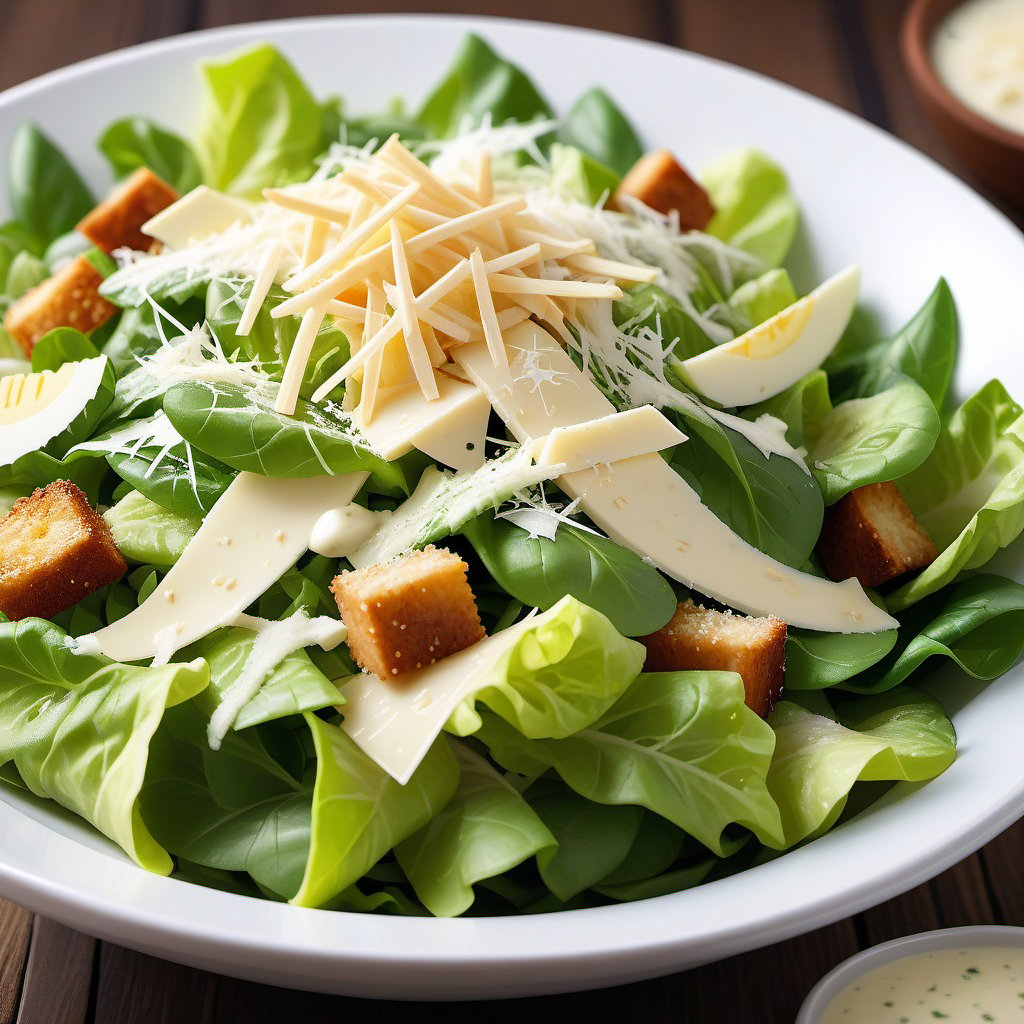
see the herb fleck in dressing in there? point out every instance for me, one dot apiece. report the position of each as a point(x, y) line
point(984, 984)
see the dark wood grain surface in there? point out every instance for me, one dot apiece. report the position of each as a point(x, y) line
point(842, 50)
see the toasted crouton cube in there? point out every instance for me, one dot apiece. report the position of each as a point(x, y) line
point(658, 181)
point(54, 550)
point(71, 298)
point(117, 221)
point(409, 612)
point(702, 638)
point(872, 535)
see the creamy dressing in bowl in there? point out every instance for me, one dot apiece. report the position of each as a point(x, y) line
point(978, 53)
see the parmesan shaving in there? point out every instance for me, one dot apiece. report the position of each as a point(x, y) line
point(260, 289)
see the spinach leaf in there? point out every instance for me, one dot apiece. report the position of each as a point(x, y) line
point(924, 349)
point(977, 623)
point(802, 407)
point(25, 272)
point(681, 744)
point(46, 193)
point(769, 501)
point(872, 440)
point(649, 305)
point(575, 175)
point(609, 578)
point(135, 142)
point(77, 727)
point(815, 661)
point(259, 124)
point(480, 83)
point(270, 339)
point(597, 126)
point(240, 808)
point(486, 829)
point(224, 421)
point(59, 346)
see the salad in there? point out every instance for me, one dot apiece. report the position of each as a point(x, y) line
point(460, 511)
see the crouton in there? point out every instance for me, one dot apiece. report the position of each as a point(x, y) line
point(117, 221)
point(71, 298)
point(872, 535)
point(409, 612)
point(54, 550)
point(701, 638)
point(658, 181)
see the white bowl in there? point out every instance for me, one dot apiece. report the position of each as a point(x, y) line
point(869, 200)
point(971, 937)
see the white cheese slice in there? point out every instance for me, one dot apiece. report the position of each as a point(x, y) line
point(203, 211)
point(36, 407)
point(622, 435)
point(451, 428)
point(256, 531)
point(396, 724)
point(776, 354)
point(643, 504)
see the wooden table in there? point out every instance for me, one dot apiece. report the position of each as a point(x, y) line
point(842, 50)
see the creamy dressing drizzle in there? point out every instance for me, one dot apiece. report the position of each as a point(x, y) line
point(978, 52)
point(984, 984)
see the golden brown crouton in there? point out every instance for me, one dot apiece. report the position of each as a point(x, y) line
point(71, 298)
point(117, 221)
point(54, 550)
point(409, 612)
point(872, 534)
point(658, 181)
point(701, 638)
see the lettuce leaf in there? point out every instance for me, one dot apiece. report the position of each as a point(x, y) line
point(360, 812)
point(681, 744)
point(77, 727)
point(485, 830)
point(969, 493)
point(760, 299)
point(259, 124)
point(896, 736)
point(562, 674)
point(134, 142)
point(755, 210)
point(148, 533)
point(576, 175)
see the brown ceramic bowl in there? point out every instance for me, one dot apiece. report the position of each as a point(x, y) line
point(993, 154)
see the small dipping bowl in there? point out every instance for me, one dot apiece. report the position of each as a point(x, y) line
point(973, 937)
point(991, 153)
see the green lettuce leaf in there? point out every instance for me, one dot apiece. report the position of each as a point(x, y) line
point(485, 830)
point(575, 175)
point(760, 299)
point(872, 440)
point(681, 744)
point(969, 493)
point(755, 209)
point(134, 142)
point(77, 727)
point(613, 580)
point(563, 673)
point(896, 736)
point(259, 124)
point(360, 812)
point(480, 83)
point(149, 533)
point(597, 126)
point(924, 349)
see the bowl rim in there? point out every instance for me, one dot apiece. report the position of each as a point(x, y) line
point(856, 966)
point(916, 33)
point(92, 908)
